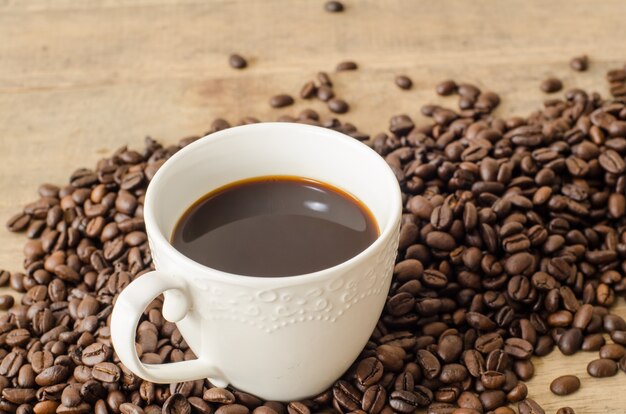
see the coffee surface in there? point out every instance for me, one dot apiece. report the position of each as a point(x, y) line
point(274, 226)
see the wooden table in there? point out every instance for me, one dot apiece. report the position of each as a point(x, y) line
point(81, 78)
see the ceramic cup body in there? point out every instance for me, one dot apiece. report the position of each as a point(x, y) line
point(283, 338)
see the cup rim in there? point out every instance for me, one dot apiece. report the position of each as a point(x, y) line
point(156, 236)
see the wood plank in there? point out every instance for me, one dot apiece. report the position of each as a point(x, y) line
point(79, 79)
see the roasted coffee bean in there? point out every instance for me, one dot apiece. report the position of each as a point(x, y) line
point(565, 410)
point(612, 162)
point(95, 354)
point(46, 407)
point(429, 363)
point(41, 360)
point(347, 395)
point(237, 61)
point(492, 399)
point(490, 342)
point(593, 342)
point(400, 304)
point(324, 79)
point(403, 82)
point(450, 347)
point(551, 85)
point(325, 93)
point(475, 362)
point(374, 399)
point(408, 401)
point(440, 241)
point(70, 397)
point(338, 106)
point(524, 370)
point(346, 65)
point(198, 406)
point(445, 88)
point(369, 371)
point(259, 410)
point(619, 337)
point(602, 368)
point(92, 390)
point(613, 323)
point(333, 6)
point(570, 341)
point(612, 351)
point(465, 411)
point(280, 101)
point(128, 408)
point(479, 321)
point(518, 348)
point(401, 124)
point(583, 317)
point(52, 375)
point(565, 385)
point(579, 63)
point(296, 407)
point(529, 406)
point(6, 302)
point(517, 393)
point(453, 373)
point(178, 404)
point(19, 395)
point(308, 90)
point(391, 357)
point(219, 395)
point(492, 380)
point(106, 372)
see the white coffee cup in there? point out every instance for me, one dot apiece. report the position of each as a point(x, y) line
point(280, 338)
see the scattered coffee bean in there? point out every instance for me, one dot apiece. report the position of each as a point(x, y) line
point(324, 79)
point(551, 85)
point(612, 351)
point(579, 63)
point(403, 82)
point(346, 65)
point(565, 385)
point(280, 101)
point(529, 406)
point(338, 106)
point(565, 410)
point(445, 88)
point(237, 61)
point(308, 90)
point(333, 6)
point(325, 93)
point(602, 367)
point(6, 302)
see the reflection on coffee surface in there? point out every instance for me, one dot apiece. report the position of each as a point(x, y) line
point(275, 226)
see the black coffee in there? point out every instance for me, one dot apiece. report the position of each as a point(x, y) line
point(274, 226)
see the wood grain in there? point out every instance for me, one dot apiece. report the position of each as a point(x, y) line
point(81, 78)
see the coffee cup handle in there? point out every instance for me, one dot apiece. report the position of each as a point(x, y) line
point(127, 311)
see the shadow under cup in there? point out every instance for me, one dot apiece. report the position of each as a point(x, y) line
point(280, 338)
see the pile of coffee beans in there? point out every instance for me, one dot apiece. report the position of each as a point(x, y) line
point(512, 244)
